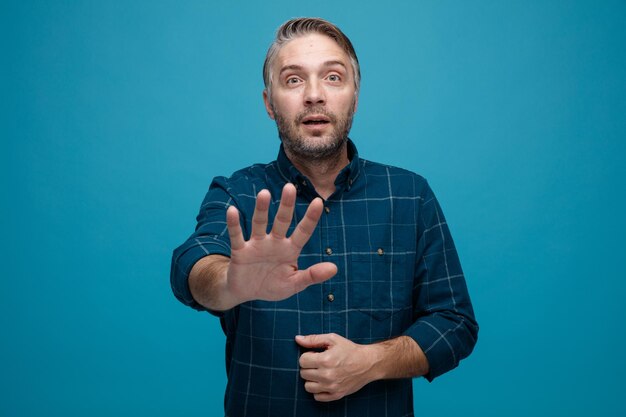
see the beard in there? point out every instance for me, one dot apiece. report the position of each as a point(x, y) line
point(321, 147)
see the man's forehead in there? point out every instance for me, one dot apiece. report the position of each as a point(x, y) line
point(318, 46)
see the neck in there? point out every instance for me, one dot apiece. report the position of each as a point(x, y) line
point(322, 172)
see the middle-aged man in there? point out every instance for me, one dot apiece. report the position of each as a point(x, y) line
point(335, 278)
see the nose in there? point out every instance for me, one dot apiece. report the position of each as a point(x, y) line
point(314, 94)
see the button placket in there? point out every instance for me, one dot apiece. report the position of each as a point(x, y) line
point(332, 294)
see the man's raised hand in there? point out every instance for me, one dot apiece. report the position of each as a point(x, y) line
point(266, 266)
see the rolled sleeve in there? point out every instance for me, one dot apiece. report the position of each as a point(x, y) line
point(210, 238)
point(444, 324)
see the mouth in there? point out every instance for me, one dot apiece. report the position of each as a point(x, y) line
point(316, 120)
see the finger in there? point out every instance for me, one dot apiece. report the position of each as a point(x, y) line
point(308, 360)
point(318, 375)
point(315, 341)
point(312, 375)
point(314, 275)
point(307, 225)
point(326, 397)
point(321, 272)
point(285, 211)
point(314, 387)
point(259, 218)
point(234, 228)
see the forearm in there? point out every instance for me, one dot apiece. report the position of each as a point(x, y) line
point(208, 285)
point(400, 357)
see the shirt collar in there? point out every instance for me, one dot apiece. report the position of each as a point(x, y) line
point(346, 176)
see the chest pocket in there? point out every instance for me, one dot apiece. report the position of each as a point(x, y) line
point(378, 282)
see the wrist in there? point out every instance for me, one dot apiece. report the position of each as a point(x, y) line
point(374, 357)
point(230, 295)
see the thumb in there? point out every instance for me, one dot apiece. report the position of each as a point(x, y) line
point(317, 273)
point(315, 340)
point(314, 275)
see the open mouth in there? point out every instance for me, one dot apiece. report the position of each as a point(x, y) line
point(315, 120)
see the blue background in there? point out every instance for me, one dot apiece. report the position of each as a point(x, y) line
point(116, 115)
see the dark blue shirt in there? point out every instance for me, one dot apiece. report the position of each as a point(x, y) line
point(398, 274)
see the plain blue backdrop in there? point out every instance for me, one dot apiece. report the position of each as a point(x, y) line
point(116, 115)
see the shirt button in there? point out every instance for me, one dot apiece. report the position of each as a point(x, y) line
point(380, 251)
point(327, 209)
point(329, 251)
point(330, 297)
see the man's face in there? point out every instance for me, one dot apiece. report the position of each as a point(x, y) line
point(313, 96)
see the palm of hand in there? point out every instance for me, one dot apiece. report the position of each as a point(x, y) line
point(266, 266)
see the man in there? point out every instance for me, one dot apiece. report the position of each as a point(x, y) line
point(335, 278)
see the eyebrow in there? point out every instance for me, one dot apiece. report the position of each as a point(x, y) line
point(299, 67)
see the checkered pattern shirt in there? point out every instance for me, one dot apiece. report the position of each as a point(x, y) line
point(398, 274)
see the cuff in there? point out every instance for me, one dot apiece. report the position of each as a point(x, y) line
point(183, 259)
point(432, 335)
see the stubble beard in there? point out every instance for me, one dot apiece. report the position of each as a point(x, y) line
point(329, 145)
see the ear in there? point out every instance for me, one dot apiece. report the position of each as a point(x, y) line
point(356, 101)
point(268, 105)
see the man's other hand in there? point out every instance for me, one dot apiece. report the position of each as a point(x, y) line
point(340, 369)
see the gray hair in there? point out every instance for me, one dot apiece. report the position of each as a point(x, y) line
point(301, 26)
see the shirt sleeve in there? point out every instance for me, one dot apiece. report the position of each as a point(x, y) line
point(210, 237)
point(444, 323)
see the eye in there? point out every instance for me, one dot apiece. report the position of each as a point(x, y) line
point(334, 78)
point(292, 80)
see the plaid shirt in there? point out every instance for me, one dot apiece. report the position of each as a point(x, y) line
point(398, 274)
